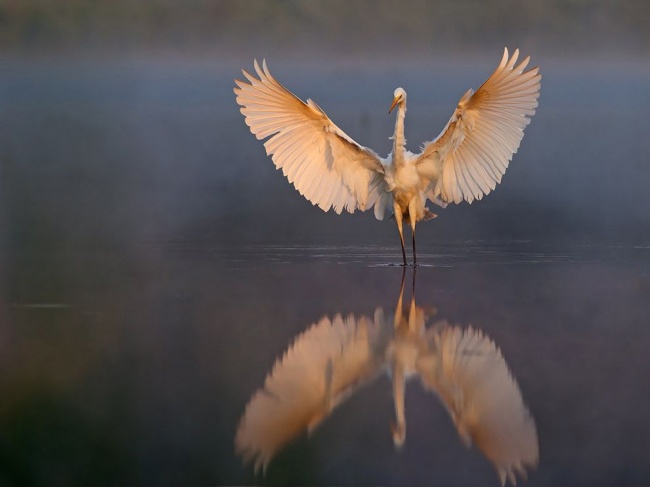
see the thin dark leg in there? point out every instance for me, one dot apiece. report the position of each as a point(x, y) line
point(415, 260)
point(401, 240)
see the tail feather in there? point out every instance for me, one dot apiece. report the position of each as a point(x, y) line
point(428, 215)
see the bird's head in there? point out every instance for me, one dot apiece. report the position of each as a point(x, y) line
point(399, 96)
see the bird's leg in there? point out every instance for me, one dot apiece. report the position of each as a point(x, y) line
point(398, 220)
point(413, 212)
point(415, 260)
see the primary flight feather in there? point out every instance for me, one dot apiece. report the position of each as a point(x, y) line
point(465, 162)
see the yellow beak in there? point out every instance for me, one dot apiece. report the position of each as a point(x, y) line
point(395, 101)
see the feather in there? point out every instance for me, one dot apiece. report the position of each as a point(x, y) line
point(301, 137)
point(463, 163)
point(500, 109)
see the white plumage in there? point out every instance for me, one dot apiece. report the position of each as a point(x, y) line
point(465, 162)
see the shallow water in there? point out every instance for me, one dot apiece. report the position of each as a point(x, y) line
point(152, 274)
point(141, 370)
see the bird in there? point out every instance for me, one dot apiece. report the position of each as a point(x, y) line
point(463, 163)
point(336, 357)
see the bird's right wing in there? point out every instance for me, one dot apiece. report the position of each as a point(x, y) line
point(324, 164)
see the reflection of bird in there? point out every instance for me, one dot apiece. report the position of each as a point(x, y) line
point(331, 170)
point(320, 370)
point(470, 376)
point(333, 358)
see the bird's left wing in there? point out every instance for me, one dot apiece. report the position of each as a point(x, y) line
point(469, 157)
point(323, 163)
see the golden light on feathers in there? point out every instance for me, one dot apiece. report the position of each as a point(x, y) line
point(464, 163)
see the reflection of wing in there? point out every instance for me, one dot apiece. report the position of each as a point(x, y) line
point(471, 377)
point(322, 368)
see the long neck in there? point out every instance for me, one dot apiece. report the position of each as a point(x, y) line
point(398, 137)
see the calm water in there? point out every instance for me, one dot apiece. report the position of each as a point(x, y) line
point(154, 268)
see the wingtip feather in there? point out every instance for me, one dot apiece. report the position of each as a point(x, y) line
point(513, 60)
point(504, 59)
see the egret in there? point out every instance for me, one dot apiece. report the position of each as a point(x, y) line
point(331, 170)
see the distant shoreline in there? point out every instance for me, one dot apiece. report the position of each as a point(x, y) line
point(331, 29)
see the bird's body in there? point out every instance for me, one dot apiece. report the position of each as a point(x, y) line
point(331, 170)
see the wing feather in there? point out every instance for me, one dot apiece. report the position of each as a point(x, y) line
point(471, 154)
point(322, 162)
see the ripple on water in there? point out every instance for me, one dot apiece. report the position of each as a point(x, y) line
point(441, 255)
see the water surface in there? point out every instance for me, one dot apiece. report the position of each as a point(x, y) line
point(154, 267)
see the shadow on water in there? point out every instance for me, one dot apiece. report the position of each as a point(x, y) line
point(335, 358)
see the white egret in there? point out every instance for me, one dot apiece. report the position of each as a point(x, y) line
point(330, 169)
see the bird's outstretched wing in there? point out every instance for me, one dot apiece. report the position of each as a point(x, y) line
point(322, 368)
point(469, 374)
point(473, 151)
point(325, 165)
